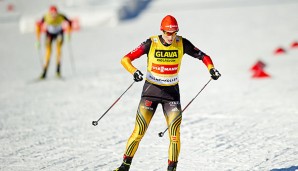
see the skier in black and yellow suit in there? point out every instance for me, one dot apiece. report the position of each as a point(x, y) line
point(164, 55)
point(54, 31)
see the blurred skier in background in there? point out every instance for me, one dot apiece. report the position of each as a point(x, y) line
point(53, 22)
point(164, 55)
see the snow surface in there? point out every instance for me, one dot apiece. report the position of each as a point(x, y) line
point(236, 124)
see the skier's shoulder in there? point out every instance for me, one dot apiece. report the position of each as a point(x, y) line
point(62, 15)
point(185, 40)
point(154, 38)
point(147, 42)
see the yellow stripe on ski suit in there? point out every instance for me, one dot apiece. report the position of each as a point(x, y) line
point(143, 119)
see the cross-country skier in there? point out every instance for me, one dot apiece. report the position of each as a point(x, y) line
point(53, 21)
point(164, 55)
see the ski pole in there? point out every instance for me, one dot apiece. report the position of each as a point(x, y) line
point(96, 122)
point(40, 56)
point(162, 133)
point(71, 57)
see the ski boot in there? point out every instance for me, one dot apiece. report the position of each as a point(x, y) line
point(172, 165)
point(43, 75)
point(125, 165)
point(58, 73)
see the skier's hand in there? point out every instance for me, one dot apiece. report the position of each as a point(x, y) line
point(37, 44)
point(138, 76)
point(214, 73)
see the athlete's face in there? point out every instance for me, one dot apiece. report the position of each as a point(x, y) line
point(169, 37)
point(54, 14)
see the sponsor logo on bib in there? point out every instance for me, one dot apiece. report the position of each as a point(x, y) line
point(166, 54)
point(164, 69)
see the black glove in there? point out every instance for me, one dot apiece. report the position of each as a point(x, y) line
point(138, 76)
point(214, 74)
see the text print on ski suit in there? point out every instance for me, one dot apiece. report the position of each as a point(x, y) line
point(164, 69)
point(166, 54)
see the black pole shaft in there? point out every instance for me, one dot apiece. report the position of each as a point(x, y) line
point(96, 122)
point(71, 57)
point(162, 133)
point(40, 57)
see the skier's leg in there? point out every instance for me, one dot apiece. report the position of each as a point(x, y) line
point(146, 109)
point(48, 52)
point(145, 113)
point(59, 47)
point(173, 114)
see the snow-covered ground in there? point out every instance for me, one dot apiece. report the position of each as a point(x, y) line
point(237, 123)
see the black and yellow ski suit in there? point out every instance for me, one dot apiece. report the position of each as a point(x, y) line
point(161, 87)
point(54, 31)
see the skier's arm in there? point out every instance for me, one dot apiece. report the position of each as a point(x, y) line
point(38, 27)
point(69, 23)
point(142, 49)
point(193, 51)
point(69, 28)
